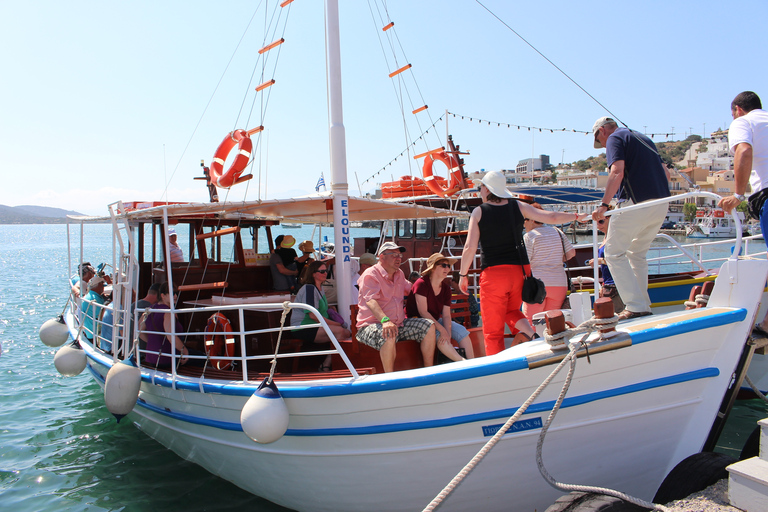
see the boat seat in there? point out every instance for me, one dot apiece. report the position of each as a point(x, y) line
point(408, 351)
point(460, 314)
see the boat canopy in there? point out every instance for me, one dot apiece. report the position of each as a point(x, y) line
point(560, 194)
point(317, 208)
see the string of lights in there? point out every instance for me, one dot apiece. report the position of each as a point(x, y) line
point(403, 152)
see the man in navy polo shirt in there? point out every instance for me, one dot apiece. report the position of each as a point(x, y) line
point(637, 174)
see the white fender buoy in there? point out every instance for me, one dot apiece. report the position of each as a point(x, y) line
point(54, 332)
point(121, 389)
point(70, 360)
point(264, 417)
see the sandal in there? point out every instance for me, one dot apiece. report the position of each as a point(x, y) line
point(325, 368)
point(629, 315)
point(759, 332)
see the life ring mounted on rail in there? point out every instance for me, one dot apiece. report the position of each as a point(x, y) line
point(219, 342)
point(244, 146)
point(454, 168)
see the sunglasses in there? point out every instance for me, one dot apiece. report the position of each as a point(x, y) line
point(601, 221)
point(321, 271)
point(444, 265)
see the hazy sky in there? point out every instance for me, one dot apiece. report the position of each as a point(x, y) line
point(100, 101)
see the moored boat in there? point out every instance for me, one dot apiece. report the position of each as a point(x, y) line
point(354, 438)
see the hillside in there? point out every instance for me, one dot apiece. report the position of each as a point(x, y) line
point(29, 214)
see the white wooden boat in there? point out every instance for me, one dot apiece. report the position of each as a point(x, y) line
point(355, 439)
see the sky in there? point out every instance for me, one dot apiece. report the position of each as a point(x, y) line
point(108, 101)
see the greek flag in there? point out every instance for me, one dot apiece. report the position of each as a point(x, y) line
point(320, 183)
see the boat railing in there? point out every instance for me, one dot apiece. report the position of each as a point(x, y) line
point(665, 200)
point(242, 335)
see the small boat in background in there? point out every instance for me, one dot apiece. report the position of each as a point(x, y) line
point(713, 223)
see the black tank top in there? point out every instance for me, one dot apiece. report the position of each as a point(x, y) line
point(501, 235)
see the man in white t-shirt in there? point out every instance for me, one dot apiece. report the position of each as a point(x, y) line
point(748, 140)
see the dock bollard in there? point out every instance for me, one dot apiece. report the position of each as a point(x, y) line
point(555, 321)
point(604, 309)
point(696, 290)
point(706, 289)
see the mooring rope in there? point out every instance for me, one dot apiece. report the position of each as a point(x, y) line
point(757, 391)
point(286, 310)
point(584, 328)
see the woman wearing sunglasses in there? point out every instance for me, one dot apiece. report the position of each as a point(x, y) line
point(312, 279)
point(430, 298)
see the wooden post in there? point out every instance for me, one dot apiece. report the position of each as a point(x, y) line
point(604, 309)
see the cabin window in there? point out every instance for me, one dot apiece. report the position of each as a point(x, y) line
point(184, 239)
point(405, 229)
point(423, 228)
point(461, 224)
point(220, 249)
point(440, 226)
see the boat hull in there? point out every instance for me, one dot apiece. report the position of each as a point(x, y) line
point(392, 442)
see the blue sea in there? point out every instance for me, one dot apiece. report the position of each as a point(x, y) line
point(59, 447)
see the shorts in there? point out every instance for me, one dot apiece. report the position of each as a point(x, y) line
point(412, 329)
point(307, 336)
point(458, 331)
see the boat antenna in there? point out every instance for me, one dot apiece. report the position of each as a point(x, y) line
point(548, 60)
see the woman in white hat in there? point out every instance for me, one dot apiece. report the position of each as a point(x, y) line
point(497, 225)
point(430, 298)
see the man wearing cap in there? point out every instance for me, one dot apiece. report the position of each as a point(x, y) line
point(177, 255)
point(637, 174)
point(381, 321)
point(748, 141)
point(284, 273)
point(497, 225)
point(89, 310)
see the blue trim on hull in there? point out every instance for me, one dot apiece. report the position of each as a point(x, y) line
point(543, 407)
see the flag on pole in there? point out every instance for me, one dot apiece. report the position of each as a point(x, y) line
point(320, 183)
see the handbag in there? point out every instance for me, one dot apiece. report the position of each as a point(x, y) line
point(534, 291)
point(755, 203)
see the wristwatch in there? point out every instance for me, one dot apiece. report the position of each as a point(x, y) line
point(740, 197)
point(385, 320)
point(605, 205)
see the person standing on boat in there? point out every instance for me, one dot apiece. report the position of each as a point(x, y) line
point(608, 289)
point(748, 141)
point(497, 225)
point(637, 174)
point(430, 298)
point(547, 249)
point(381, 320)
point(177, 255)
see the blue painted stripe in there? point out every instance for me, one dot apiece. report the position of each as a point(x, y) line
point(690, 325)
point(488, 369)
point(457, 420)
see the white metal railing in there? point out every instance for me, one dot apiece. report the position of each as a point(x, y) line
point(125, 351)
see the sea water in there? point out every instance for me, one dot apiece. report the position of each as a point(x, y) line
point(59, 447)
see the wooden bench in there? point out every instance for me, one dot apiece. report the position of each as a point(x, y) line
point(408, 351)
point(460, 314)
point(258, 376)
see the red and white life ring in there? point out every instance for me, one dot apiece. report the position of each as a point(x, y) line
point(452, 163)
point(244, 146)
point(218, 341)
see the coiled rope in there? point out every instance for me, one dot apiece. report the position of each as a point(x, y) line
point(699, 301)
point(584, 328)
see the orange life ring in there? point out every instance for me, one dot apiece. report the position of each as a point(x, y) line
point(244, 146)
point(450, 161)
point(218, 341)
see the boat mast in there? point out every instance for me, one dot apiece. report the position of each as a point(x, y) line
point(338, 151)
